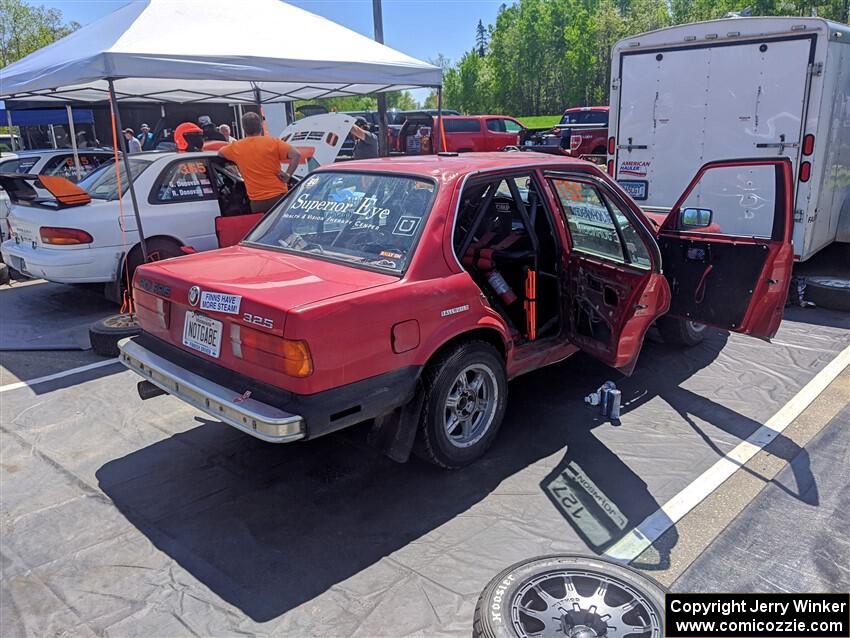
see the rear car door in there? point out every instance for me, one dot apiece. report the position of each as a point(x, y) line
point(613, 288)
point(726, 245)
point(184, 203)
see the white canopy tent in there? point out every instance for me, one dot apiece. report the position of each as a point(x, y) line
point(212, 51)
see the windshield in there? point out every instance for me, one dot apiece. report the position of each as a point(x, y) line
point(360, 218)
point(102, 184)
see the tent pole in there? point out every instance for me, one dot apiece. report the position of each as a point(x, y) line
point(441, 144)
point(378, 21)
point(73, 133)
point(258, 100)
point(11, 132)
point(118, 138)
point(52, 136)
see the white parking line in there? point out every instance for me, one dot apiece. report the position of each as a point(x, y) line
point(57, 375)
point(653, 526)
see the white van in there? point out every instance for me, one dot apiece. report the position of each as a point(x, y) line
point(737, 88)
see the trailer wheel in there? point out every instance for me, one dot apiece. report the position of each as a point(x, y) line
point(829, 292)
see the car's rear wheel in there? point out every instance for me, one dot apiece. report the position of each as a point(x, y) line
point(566, 595)
point(681, 332)
point(465, 396)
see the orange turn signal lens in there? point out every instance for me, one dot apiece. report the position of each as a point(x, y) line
point(297, 360)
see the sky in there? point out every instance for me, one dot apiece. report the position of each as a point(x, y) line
point(420, 28)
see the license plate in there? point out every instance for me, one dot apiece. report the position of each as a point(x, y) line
point(218, 302)
point(636, 188)
point(202, 333)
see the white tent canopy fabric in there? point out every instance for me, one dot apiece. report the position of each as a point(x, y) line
point(213, 51)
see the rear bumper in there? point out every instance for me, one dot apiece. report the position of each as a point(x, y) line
point(84, 265)
point(258, 419)
point(317, 414)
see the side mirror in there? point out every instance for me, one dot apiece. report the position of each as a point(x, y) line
point(696, 217)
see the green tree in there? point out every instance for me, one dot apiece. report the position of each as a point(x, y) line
point(26, 28)
point(481, 39)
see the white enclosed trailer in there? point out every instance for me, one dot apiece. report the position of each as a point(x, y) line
point(737, 88)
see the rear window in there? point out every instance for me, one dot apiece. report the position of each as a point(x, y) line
point(21, 165)
point(102, 183)
point(462, 126)
point(585, 117)
point(356, 218)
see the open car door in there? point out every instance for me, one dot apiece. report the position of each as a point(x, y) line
point(726, 246)
point(613, 286)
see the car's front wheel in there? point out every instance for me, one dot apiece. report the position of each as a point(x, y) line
point(465, 396)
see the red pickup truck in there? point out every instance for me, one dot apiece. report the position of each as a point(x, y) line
point(582, 131)
point(464, 133)
point(408, 291)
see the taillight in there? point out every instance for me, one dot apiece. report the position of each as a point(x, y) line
point(289, 356)
point(808, 144)
point(611, 144)
point(805, 171)
point(611, 168)
point(575, 142)
point(163, 312)
point(64, 236)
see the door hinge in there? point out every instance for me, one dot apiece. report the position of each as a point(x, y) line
point(816, 69)
point(799, 215)
point(615, 84)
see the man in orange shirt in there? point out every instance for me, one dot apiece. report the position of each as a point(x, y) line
point(259, 158)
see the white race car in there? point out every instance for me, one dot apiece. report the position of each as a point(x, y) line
point(185, 199)
point(70, 239)
point(47, 162)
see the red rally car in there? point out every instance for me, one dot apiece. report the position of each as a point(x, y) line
point(408, 291)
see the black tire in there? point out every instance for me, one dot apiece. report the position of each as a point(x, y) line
point(4, 274)
point(435, 442)
point(159, 248)
point(498, 615)
point(681, 332)
point(828, 292)
point(105, 334)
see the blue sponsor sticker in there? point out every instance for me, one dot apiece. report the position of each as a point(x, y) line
point(636, 188)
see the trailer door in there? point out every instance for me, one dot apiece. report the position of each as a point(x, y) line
point(683, 107)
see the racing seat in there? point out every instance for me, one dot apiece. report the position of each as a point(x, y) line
point(498, 241)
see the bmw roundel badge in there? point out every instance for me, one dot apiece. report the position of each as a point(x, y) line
point(194, 295)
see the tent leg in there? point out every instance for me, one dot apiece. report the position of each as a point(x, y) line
point(378, 22)
point(116, 136)
point(258, 100)
point(11, 132)
point(73, 133)
point(52, 136)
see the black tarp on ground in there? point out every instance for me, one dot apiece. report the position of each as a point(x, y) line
point(127, 518)
point(780, 543)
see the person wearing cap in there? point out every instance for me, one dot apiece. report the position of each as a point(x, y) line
point(259, 158)
point(133, 145)
point(211, 133)
point(146, 138)
point(188, 137)
point(365, 142)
